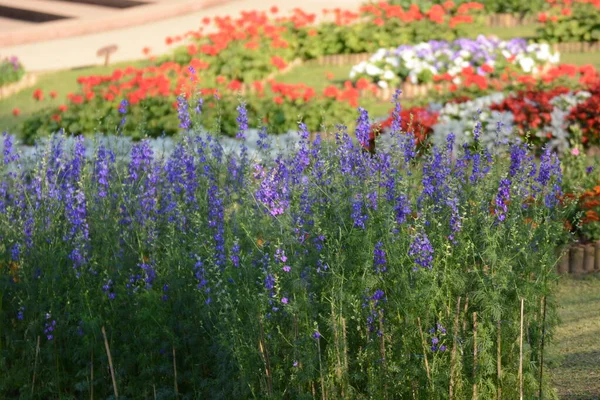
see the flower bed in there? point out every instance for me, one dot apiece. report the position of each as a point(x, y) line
point(547, 113)
point(152, 95)
point(328, 272)
point(444, 61)
point(269, 43)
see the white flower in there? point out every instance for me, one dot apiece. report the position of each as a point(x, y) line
point(373, 70)
point(526, 64)
point(382, 84)
point(389, 75)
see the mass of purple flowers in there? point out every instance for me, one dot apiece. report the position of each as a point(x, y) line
point(265, 275)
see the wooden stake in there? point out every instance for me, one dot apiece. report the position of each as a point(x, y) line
point(499, 359)
point(92, 377)
point(37, 353)
point(521, 354)
point(110, 364)
point(475, 356)
point(424, 350)
point(454, 349)
point(175, 372)
point(265, 355)
point(466, 309)
point(542, 350)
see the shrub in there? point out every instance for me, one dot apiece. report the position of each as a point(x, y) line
point(11, 70)
point(576, 22)
point(328, 271)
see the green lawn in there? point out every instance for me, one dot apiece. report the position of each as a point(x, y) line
point(574, 355)
point(524, 31)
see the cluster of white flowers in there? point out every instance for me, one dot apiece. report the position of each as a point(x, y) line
point(419, 63)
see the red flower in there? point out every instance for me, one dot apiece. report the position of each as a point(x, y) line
point(56, 117)
point(221, 79)
point(63, 108)
point(378, 21)
point(168, 40)
point(329, 76)
point(330, 91)
point(278, 100)
point(235, 85)
point(192, 49)
point(448, 5)
point(542, 17)
point(274, 10)
point(146, 50)
point(566, 12)
point(38, 95)
point(488, 69)
point(362, 83)
point(206, 20)
point(16, 112)
point(278, 62)
point(53, 94)
point(312, 32)
point(251, 45)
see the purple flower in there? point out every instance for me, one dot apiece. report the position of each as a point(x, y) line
point(379, 258)
point(182, 113)
point(363, 126)
point(199, 104)
point(316, 335)
point(123, 106)
point(421, 250)
point(242, 120)
point(286, 268)
point(502, 199)
point(284, 300)
point(589, 169)
point(20, 313)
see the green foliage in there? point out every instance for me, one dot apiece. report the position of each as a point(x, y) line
point(491, 6)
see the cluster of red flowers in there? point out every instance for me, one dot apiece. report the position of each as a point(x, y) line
point(530, 108)
point(589, 201)
point(586, 75)
point(436, 13)
point(418, 120)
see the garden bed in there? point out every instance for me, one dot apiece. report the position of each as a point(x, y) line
point(27, 81)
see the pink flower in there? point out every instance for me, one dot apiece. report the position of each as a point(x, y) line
point(575, 151)
point(284, 300)
point(286, 268)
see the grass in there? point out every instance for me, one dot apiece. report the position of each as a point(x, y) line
point(523, 31)
point(574, 356)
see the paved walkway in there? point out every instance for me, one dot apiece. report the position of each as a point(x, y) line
point(81, 50)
